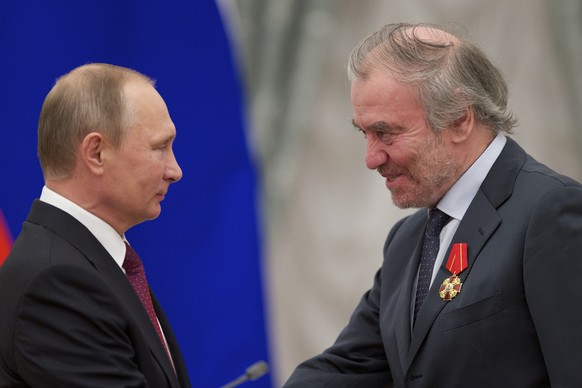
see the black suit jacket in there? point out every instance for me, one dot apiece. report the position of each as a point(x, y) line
point(69, 316)
point(517, 321)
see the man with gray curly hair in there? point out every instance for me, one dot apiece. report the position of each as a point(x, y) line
point(481, 286)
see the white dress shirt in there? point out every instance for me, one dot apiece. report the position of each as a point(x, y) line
point(107, 236)
point(457, 200)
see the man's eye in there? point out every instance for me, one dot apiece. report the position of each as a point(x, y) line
point(385, 137)
point(363, 132)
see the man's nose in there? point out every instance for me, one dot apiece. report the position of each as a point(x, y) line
point(173, 170)
point(376, 156)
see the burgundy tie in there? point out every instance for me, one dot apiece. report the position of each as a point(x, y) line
point(136, 276)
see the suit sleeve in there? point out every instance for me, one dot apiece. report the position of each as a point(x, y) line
point(357, 358)
point(553, 282)
point(70, 332)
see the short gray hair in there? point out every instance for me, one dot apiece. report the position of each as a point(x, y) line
point(88, 99)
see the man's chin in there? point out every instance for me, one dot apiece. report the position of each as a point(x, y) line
point(410, 201)
point(154, 213)
point(401, 202)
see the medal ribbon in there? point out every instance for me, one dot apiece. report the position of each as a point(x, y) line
point(457, 261)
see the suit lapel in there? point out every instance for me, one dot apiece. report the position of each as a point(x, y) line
point(80, 237)
point(403, 306)
point(478, 225)
point(179, 365)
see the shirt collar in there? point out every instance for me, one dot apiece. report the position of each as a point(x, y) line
point(457, 200)
point(103, 232)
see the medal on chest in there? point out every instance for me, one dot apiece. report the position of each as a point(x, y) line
point(456, 264)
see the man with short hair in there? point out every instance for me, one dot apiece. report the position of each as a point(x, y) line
point(75, 306)
point(480, 287)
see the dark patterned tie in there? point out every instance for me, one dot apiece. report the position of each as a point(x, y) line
point(136, 276)
point(436, 221)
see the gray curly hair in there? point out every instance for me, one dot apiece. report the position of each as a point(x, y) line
point(446, 77)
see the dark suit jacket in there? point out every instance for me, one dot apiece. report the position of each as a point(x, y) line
point(70, 318)
point(518, 319)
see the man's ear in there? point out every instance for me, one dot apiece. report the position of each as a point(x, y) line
point(463, 126)
point(92, 152)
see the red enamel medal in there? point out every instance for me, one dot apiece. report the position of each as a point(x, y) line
point(456, 264)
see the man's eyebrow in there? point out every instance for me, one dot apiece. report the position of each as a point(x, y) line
point(380, 126)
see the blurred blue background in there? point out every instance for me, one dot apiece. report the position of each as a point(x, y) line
point(202, 255)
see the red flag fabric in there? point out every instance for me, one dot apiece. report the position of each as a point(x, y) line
point(5, 239)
